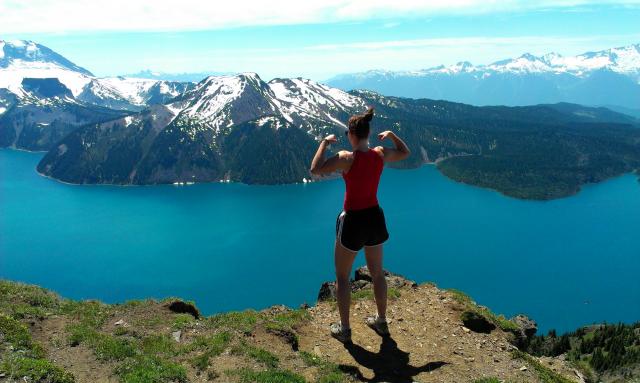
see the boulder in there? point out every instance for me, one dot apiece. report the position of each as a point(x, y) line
point(327, 292)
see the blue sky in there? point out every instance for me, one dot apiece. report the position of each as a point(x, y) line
point(314, 39)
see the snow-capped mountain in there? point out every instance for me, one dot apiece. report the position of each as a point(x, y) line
point(243, 129)
point(22, 59)
point(45, 112)
point(130, 93)
point(222, 128)
point(608, 77)
point(223, 101)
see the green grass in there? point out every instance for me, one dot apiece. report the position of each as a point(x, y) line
point(211, 346)
point(545, 374)
point(26, 357)
point(243, 321)
point(246, 375)
point(159, 345)
point(287, 320)
point(90, 313)
point(15, 333)
point(327, 372)
point(367, 294)
point(258, 354)
point(263, 356)
point(36, 370)
point(20, 300)
point(150, 369)
point(105, 347)
point(460, 296)
point(182, 321)
point(216, 342)
point(487, 380)
point(499, 320)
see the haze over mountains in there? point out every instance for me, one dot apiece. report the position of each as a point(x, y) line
point(610, 77)
point(123, 130)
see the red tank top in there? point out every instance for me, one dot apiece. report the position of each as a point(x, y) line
point(362, 180)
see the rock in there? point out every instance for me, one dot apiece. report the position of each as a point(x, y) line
point(363, 281)
point(476, 322)
point(527, 328)
point(176, 335)
point(357, 285)
point(523, 368)
point(182, 307)
point(465, 329)
point(393, 280)
point(119, 323)
point(276, 309)
point(327, 292)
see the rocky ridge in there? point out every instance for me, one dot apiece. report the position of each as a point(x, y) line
point(170, 340)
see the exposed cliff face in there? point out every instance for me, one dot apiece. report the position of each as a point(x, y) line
point(171, 341)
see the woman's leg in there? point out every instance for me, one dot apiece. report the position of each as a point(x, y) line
point(343, 260)
point(374, 263)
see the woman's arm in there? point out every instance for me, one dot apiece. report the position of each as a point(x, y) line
point(321, 166)
point(399, 153)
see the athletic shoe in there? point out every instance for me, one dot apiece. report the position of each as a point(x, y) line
point(378, 325)
point(340, 333)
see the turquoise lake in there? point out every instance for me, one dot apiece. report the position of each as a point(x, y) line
point(565, 263)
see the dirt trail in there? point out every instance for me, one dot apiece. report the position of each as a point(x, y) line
point(428, 343)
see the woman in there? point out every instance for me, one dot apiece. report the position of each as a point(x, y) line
point(361, 223)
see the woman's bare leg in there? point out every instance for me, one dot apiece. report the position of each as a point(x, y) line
point(343, 260)
point(374, 263)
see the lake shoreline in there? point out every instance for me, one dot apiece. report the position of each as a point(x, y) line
point(313, 179)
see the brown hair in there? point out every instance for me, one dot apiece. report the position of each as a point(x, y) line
point(359, 124)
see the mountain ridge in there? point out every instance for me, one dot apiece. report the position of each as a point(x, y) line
point(242, 128)
point(608, 77)
point(170, 340)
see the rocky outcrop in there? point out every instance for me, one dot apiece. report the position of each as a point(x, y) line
point(363, 281)
point(526, 330)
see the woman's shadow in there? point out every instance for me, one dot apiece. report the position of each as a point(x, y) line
point(390, 364)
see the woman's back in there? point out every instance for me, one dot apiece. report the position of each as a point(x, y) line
point(362, 180)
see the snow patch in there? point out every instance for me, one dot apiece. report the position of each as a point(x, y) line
point(12, 76)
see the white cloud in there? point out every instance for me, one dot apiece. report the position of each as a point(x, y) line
point(56, 16)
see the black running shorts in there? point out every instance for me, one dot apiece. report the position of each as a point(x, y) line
point(358, 228)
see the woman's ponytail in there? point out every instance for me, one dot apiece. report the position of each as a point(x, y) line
point(359, 124)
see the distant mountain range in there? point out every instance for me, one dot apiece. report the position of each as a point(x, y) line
point(610, 77)
point(241, 128)
point(21, 60)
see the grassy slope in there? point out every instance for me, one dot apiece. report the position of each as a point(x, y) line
point(134, 341)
